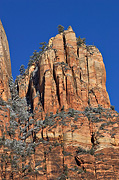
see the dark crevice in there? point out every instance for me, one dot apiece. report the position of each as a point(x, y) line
point(17, 88)
point(88, 79)
point(96, 99)
point(42, 133)
point(41, 90)
point(11, 176)
point(87, 68)
point(43, 93)
point(64, 41)
point(47, 138)
point(29, 97)
point(92, 139)
point(80, 76)
point(77, 162)
point(36, 79)
point(78, 51)
point(57, 85)
point(34, 137)
point(95, 172)
point(91, 91)
point(66, 91)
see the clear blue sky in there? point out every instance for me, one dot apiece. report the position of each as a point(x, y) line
point(29, 22)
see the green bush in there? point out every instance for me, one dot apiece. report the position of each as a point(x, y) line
point(60, 29)
point(112, 107)
point(22, 70)
point(81, 41)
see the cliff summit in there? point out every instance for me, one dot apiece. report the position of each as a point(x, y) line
point(67, 75)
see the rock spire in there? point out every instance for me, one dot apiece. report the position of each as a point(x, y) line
point(68, 76)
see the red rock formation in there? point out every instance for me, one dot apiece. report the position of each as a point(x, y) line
point(39, 139)
point(69, 76)
point(5, 65)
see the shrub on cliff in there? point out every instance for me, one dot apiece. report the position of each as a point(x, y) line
point(12, 87)
point(112, 107)
point(43, 46)
point(33, 58)
point(2, 102)
point(22, 70)
point(81, 41)
point(60, 29)
point(31, 61)
point(11, 83)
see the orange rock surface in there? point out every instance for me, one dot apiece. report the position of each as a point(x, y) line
point(5, 65)
point(67, 75)
point(59, 124)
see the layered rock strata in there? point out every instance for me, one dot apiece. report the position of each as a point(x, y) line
point(74, 145)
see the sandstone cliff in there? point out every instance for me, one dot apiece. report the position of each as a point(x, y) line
point(5, 65)
point(58, 123)
point(67, 75)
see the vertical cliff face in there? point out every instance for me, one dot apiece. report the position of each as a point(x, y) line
point(58, 124)
point(5, 65)
point(67, 76)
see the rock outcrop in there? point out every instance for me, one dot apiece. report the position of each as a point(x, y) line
point(67, 75)
point(5, 65)
point(58, 123)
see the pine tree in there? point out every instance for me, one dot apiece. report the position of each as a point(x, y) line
point(22, 70)
point(11, 84)
point(60, 29)
point(43, 46)
point(81, 41)
point(13, 88)
point(34, 58)
point(31, 61)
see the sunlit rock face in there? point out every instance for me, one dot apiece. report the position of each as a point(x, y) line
point(5, 65)
point(58, 124)
point(67, 76)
